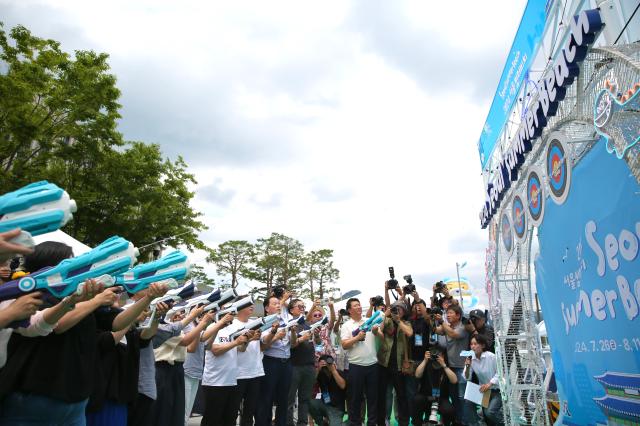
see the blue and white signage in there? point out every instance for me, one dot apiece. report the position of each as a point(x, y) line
point(518, 62)
point(552, 88)
point(588, 282)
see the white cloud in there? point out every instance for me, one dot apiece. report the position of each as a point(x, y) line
point(317, 120)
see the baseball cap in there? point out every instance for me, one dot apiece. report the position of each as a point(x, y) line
point(477, 313)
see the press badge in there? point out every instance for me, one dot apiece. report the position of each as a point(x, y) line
point(418, 340)
point(326, 397)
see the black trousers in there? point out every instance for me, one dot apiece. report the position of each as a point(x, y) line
point(221, 405)
point(363, 381)
point(422, 404)
point(387, 377)
point(140, 411)
point(169, 407)
point(274, 388)
point(249, 392)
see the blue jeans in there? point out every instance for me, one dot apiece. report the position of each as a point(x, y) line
point(22, 409)
point(493, 413)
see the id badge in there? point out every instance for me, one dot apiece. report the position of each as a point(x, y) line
point(418, 340)
point(326, 397)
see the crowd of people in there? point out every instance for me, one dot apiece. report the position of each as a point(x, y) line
point(86, 360)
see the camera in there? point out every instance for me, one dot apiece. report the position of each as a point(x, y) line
point(408, 279)
point(326, 358)
point(392, 284)
point(278, 291)
point(343, 312)
point(439, 287)
point(434, 311)
point(409, 288)
point(394, 310)
point(377, 301)
point(464, 320)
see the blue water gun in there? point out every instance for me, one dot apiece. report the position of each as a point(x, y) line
point(226, 297)
point(194, 302)
point(371, 322)
point(174, 265)
point(312, 327)
point(112, 257)
point(259, 324)
point(37, 208)
point(172, 296)
point(235, 307)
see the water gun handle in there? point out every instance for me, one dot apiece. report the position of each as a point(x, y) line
point(151, 318)
point(10, 291)
point(355, 332)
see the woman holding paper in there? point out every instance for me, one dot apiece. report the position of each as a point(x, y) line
point(483, 363)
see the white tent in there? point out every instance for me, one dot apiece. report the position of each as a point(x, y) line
point(61, 237)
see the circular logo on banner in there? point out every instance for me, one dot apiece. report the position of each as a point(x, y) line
point(558, 167)
point(27, 284)
point(506, 232)
point(519, 218)
point(535, 198)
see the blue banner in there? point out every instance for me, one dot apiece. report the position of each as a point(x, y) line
point(516, 68)
point(588, 282)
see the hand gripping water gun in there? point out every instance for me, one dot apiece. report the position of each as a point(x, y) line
point(371, 322)
point(171, 297)
point(315, 325)
point(197, 301)
point(112, 257)
point(174, 265)
point(257, 324)
point(226, 297)
point(294, 322)
point(235, 307)
point(37, 208)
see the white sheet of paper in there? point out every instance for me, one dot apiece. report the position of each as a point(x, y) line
point(473, 394)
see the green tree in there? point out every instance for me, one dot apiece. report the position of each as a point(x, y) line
point(278, 262)
point(235, 258)
point(318, 269)
point(58, 122)
point(202, 279)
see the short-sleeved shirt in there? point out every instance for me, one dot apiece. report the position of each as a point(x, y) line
point(419, 342)
point(249, 361)
point(327, 384)
point(30, 360)
point(455, 346)
point(222, 370)
point(362, 353)
point(281, 348)
point(194, 361)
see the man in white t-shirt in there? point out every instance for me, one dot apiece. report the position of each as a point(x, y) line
point(250, 369)
point(362, 377)
point(219, 379)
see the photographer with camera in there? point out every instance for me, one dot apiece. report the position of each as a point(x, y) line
point(394, 333)
point(332, 386)
point(435, 382)
point(479, 321)
point(421, 324)
point(362, 377)
point(457, 340)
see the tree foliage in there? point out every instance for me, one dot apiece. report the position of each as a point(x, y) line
point(277, 260)
point(58, 122)
point(319, 273)
point(234, 258)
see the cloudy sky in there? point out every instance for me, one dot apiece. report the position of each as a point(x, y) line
point(349, 125)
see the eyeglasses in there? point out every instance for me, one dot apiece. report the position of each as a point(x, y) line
point(300, 306)
point(317, 315)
